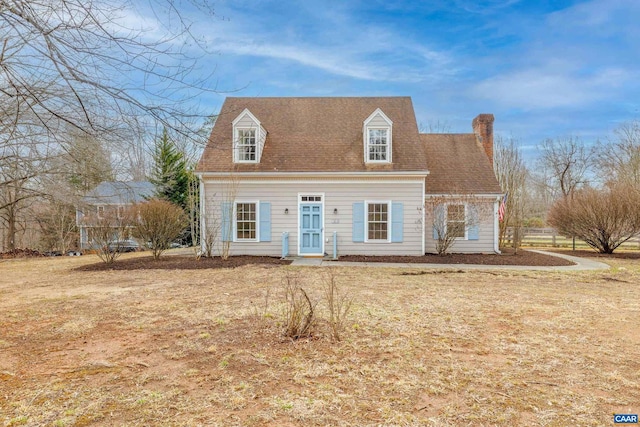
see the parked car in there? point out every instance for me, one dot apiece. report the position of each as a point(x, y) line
point(124, 246)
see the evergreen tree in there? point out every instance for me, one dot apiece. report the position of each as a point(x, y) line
point(170, 174)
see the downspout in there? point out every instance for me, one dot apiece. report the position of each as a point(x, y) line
point(496, 226)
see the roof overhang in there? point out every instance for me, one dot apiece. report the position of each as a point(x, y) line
point(458, 195)
point(309, 175)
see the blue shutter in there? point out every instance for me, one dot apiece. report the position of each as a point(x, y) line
point(357, 222)
point(438, 220)
point(474, 226)
point(226, 224)
point(397, 222)
point(265, 221)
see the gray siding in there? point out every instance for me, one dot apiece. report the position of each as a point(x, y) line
point(340, 195)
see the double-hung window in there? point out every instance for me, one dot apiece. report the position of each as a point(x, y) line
point(246, 145)
point(456, 220)
point(377, 134)
point(246, 221)
point(378, 147)
point(378, 221)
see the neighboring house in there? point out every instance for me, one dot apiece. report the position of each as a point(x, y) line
point(109, 201)
point(310, 176)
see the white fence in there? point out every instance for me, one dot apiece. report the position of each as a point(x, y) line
point(550, 237)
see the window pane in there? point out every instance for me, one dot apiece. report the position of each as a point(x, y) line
point(377, 221)
point(378, 146)
point(246, 221)
point(455, 220)
point(246, 142)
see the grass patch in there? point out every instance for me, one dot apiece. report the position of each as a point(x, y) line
point(197, 347)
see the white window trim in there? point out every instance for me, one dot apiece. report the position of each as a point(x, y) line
point(466, 213)
point(366, 220)
point(388, 128)
point(235, 221)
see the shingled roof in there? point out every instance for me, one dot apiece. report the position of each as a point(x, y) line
point(458, 165)
point(325, 135)
point(315, 135)
point(119, 192)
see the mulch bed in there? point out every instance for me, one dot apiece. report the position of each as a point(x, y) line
point(178, 262)
point(508, 257)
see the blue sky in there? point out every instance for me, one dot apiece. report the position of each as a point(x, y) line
point(545, 69)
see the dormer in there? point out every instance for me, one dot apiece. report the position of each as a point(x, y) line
point(248, 138)
point(377, 132)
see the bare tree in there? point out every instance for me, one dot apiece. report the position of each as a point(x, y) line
point(604, 219)
point(437, 126)
point(19, 187)
point(209, 234)
point(227, 209)
point(453, 216)
point(57, 221)
point(81, 63)
point(107, 231)
point(108, 71)
point(566, 162)
point(512, 174)
point(618, 160)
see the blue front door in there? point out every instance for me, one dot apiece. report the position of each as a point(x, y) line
point(311, 228)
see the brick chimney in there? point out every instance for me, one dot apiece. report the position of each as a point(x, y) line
point(483, 128)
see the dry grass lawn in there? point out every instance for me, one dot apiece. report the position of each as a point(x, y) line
point(204, 347)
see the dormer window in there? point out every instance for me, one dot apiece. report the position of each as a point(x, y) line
point(377, 138)
point(246, 145)
point(248, 138)
point(378, 145)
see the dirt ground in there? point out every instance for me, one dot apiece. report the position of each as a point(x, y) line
point(420, 347)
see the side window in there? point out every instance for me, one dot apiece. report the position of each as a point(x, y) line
point(455, 220)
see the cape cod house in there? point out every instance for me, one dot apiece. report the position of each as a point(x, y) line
point(338, 176)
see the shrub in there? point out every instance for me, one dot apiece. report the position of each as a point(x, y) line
point(109, 232)
point(159, 223)
point(338, 305)
point(604, 219)
point(299, 311)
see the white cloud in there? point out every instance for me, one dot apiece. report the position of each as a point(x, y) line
point(334, 41)
point(548, 88)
